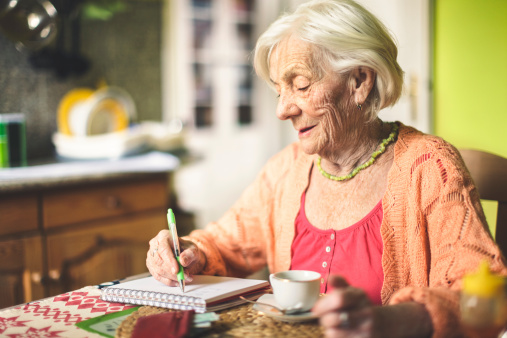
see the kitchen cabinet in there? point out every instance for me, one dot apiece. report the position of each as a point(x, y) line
point(18, 213)
point(21, 269)
point(61, 238)
point(106, 251)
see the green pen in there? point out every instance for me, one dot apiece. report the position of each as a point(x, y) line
point(176, 244)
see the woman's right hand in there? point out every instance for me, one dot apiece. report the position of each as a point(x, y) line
point(162, 264)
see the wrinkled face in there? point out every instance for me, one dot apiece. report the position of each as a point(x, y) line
point(313, 102)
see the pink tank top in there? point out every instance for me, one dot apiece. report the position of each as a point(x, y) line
point(355, 252)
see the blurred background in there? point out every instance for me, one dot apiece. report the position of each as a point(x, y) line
point(188, 62)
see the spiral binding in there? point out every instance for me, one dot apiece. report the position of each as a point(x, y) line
point(140, 297)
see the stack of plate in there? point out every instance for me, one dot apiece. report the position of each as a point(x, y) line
point(95, 124)
point(84, 112)
point(98, 124)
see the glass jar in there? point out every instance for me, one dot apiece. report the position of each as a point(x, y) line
point(483, 304)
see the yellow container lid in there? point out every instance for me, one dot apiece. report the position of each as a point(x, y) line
point(483, 283)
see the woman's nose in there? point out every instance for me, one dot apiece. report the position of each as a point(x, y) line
point(287, 106)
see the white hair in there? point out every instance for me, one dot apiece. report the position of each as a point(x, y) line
point(344, 36)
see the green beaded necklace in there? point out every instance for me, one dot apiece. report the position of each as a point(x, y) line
point(382, 148)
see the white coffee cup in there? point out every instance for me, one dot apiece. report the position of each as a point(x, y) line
point(295, 288)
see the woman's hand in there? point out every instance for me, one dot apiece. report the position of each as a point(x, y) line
point(348, 312)
point(162, 264)
point(345, 311)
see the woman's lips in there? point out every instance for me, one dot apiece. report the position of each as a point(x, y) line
point(305, 131)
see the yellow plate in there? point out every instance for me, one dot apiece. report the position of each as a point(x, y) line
point(66, 103)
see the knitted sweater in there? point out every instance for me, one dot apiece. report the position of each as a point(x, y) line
point(433, 230)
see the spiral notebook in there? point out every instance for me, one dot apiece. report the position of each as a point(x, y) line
point(203, 294)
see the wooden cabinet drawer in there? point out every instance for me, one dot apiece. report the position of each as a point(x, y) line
point(67, 207)
point(20, 271)
point(18, 214)
point(108, 251)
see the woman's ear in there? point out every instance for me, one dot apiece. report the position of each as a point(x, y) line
point(363, 79)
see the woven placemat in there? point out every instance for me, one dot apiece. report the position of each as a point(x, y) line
point(239, 321)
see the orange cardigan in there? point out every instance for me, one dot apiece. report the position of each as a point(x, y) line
point(433, 230)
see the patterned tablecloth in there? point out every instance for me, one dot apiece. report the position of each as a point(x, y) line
point(56, 316)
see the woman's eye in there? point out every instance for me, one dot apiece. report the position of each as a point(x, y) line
point(301, 83)
point(303, 88)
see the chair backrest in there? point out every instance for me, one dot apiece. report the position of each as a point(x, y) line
point(489, 172)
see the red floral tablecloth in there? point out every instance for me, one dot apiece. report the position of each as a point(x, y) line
point(56, 316)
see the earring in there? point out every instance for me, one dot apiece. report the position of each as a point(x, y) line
point(359, 106)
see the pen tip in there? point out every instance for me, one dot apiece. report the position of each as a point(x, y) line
point(182, 285)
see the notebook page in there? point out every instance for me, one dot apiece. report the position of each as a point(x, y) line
point(208, 288)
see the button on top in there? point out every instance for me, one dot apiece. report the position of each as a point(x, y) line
point(332, 236)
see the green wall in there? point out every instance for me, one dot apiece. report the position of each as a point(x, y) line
point(470, 76)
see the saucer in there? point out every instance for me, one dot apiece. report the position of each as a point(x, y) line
point(293, 318)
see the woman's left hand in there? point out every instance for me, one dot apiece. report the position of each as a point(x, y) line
point(345, 311)
point(348, 312)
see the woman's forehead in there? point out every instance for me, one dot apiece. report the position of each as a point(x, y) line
point(289, 55)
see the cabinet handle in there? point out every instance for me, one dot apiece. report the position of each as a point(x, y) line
point(36, 277)
point(54, 275)
point(113, 202)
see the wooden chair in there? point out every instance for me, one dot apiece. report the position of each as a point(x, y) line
point(489, 173)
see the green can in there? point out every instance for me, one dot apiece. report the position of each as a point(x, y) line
point(4, 147)
point(12, 140)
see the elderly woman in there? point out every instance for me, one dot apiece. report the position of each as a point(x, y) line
point(387, 215)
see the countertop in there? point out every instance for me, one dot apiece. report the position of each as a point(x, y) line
point(72, 172)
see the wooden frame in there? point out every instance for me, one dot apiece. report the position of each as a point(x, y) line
point(489, 172)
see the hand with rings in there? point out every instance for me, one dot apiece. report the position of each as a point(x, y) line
point(345, 311)
point(162, 264)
